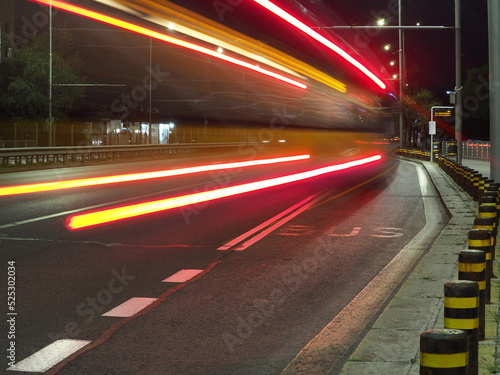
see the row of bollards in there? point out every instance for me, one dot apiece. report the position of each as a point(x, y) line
point(455, 348)
point(415, 154)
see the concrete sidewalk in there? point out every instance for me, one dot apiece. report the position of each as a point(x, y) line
point(391, 346)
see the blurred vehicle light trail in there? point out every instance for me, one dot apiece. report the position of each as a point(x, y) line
point(85, 220)
point(166, 38)
point(69, 184)
point(321, 39)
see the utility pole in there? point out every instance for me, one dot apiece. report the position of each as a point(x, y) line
point(458, 80)
point(401, 62)
point(494, 41)
point(51, 137)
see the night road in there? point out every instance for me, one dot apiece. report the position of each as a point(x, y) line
point(237, 285)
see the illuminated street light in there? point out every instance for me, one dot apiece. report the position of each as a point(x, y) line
point(392, 63)
point(381, 22)
point(387, 47)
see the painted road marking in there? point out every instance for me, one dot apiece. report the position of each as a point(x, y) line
point(262, 230)
point(49, 356)
point(182, 276)
point(130, 307)
point(319, 356)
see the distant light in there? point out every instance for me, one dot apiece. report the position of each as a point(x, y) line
point(418, 23)
point(392, 63)
point(89, 219)
point(395, 76)
point(165, 38)
point(321, 39)
point(381, 22)
point(282, 141)
point(171, 26)
point(387, 47)
point(220, 49)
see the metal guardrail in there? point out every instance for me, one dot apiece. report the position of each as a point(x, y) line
point(18, 157)
point(476, 150)
point(473, 150)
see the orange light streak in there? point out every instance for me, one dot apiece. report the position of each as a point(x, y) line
point(320, 38)
point(90, 219)
point(166, 38)
point(69, 184)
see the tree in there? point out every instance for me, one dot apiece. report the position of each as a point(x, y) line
point(475, 94)
point(416, 114)
point(24, 87)
point(476, 103)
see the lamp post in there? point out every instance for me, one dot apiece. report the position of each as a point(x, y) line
point(458, 53)
point(458, 80)
point(401, 62)
point(51, 140)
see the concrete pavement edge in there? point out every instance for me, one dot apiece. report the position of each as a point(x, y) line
point(391, 345)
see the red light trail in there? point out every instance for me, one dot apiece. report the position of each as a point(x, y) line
point(85, 220)
point(321, 39)
point(163, 37)
point(69, 184)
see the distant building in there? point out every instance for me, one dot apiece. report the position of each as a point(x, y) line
point(7, 17)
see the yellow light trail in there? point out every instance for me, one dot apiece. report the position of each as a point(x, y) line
point(69, 184)
point(166, 38)
point(85, 220)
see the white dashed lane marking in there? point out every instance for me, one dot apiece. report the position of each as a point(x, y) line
point(130, 307)
point(49, 356)
point(182, 276)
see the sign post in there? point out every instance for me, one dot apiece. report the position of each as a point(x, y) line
point(444, 111)
point(432, 132)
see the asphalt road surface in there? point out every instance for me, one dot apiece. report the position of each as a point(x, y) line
point(238, 285)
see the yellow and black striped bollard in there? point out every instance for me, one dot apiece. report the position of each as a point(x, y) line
point(461, 311)
point(444, 352)
point(481, 239)
point(472, 267)
point(488, 211)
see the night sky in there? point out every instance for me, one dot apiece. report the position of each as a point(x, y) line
point(429, 54)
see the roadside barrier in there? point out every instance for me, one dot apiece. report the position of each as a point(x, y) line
point(461, 311)
point(89, 154)
point(476, 265)
point(443, 351)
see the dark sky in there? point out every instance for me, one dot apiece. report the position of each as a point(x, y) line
point(429, 54)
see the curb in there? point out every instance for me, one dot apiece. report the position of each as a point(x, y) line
point(391, 346)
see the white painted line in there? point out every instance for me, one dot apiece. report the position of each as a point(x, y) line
point(182, 276)
point(318, 356)
point(49, 356)
point(270, 225)
point(130, 307)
